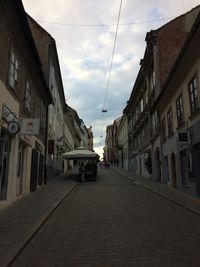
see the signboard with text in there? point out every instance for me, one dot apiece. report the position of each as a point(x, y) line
point(30, 126)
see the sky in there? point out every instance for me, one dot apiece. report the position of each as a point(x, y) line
point(84, 31)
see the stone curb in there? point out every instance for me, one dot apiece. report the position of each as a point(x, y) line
point(15, 249)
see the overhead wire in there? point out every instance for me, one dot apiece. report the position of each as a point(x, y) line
point(111, 63)
point(112, 57)
point(102, 25)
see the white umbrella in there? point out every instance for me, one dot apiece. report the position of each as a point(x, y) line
point(80, 153)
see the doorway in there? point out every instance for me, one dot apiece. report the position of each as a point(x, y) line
point(4, 164)
point(20, 169)
point(173, 169)
point(34, 171)
point(158, 169)
point(166, 170)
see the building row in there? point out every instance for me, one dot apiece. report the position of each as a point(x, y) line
point(36, 123)
point(159, 133)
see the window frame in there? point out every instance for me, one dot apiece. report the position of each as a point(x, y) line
point(27, 97)
point(193, 95)
point(13, 74)
point(163, 131)
point(180, 111)
point(170, 122)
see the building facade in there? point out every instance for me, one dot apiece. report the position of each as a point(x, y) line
point(122, 140)
point(24, 102)
point(90, 141)
point(47, 50)
point(162, 48)
point(111, 142)
point(179, 107)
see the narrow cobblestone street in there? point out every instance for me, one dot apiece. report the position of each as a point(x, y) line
point(115, 222)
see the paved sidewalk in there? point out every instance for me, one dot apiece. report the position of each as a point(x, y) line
point(166, 191)
point(22, 219)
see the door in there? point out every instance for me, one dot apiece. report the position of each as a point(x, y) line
point(41, 169)
point(173, 169)
point(196, 167)
point(34, 171)
point(158, 169)
point(184, 168)
point(20, 169)
point(4, 164)
point(166, 169)
point(140, 165)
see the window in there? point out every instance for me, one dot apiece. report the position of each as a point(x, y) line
point(51, 115)
point(193, 94)
point(152, 80)
point(170, 122)
point(142, 105)
point(39, 112)
point(154, 122)
point(137, 112)
point(163, 129)
point(13, 71)
point(27, 102)
point(146, 97)
point(179, 111)
point(142, 136)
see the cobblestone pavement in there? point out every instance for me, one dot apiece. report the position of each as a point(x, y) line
point(20, 220)
point(115, 222)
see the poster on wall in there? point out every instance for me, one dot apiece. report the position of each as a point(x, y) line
point(30, 126)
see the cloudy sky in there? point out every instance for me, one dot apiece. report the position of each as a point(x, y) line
point(84, 31)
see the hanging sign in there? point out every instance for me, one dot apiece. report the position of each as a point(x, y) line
point(7, 114)
point(13, 127)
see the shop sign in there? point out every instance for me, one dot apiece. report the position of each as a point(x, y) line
point(30, 126)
